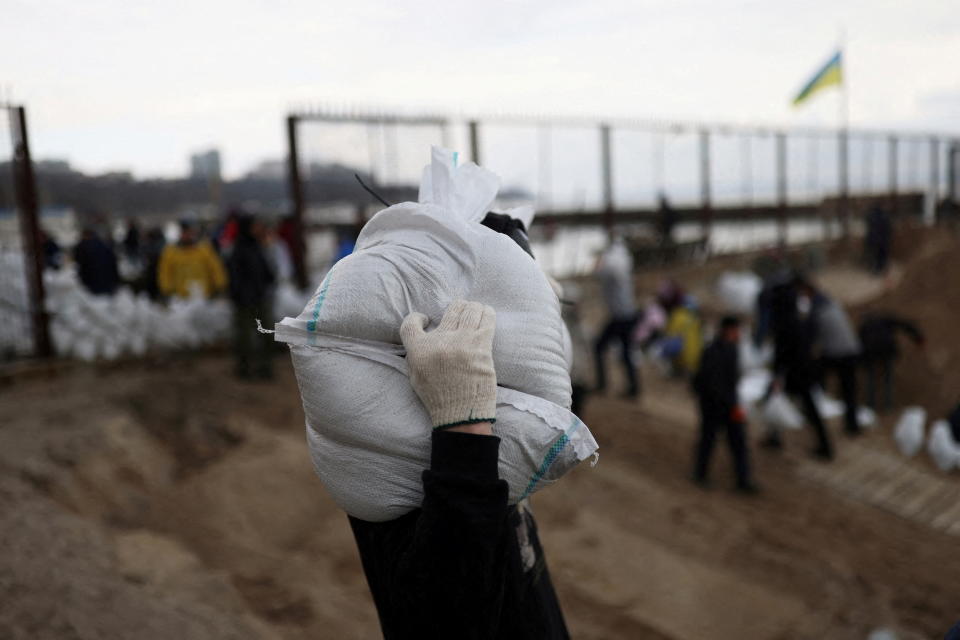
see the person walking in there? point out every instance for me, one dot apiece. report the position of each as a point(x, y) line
point(878, 336)
point(615, 273)
point(839, 347)
point(715, 384)
point(465, 564)
point(793, 326)
point(251, 280)
point(190, 265)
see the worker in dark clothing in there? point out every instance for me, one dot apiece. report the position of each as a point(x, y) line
point(839, 348)
point(878, 337)
point(715, 383)
point(877, 240)
point(667, 220)
point(465, 564)
point(250, 279)
point(96, 264)
point(793, 325)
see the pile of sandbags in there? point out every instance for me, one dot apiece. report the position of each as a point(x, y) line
point(369, 435)
point(92, 327)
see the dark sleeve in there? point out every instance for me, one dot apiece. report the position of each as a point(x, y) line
point(718, 379)
point(909, 328)
point(442, 574)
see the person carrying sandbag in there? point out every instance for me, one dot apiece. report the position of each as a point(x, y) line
point(465, 564)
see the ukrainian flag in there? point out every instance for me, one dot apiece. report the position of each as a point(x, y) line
point(829, 75)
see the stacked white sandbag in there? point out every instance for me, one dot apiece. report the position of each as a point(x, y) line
point(941, 446)
point(909, 430)
point(369, 434)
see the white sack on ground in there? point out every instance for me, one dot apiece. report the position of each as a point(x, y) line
point(909, 430)
point(369, 434)
point(942, 447)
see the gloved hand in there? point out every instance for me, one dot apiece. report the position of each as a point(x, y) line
point(451, 367)
point(737, 414)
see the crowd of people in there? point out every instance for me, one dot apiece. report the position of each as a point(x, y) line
point(814, 342)
point(242, 258)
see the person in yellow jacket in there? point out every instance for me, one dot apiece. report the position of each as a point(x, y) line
point(685, 330)
point(190, 264)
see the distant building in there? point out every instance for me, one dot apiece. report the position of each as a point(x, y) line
point(269, 170)
point(205, 165)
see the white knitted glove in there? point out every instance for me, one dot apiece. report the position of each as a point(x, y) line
point(451, 367)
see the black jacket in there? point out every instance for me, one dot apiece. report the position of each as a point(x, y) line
point(716, 380)
point(878, 335)
point(250, 274)
point(464, 565)
point(96, 265)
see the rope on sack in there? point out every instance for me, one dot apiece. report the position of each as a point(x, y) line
point(261, 329)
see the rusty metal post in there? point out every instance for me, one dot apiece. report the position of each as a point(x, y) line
point(893, 168)
point(843, 181)
point(299, 250)
point(29, 210)
point(606, 161)
point(934, 179)
point(475, 141)
point(953, 171)
point(705, 192)
point(781, 144)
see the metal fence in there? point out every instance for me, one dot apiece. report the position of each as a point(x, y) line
point(23, 318)
point(602, 173)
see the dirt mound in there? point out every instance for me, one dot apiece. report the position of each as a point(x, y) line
point(927, 293)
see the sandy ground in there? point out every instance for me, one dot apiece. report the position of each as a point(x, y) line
point(165, 499)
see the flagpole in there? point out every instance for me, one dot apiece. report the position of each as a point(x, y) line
point(844, 138)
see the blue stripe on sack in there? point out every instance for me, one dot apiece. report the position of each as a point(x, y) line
point(312, 324)
point(551, 456)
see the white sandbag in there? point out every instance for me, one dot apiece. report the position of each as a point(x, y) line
point(779, 413)
point(738, 291)
point(941, 446)
point(753, 386)
point(369, 434)
point(866, 417)
point(827, 406)
point(909, 431)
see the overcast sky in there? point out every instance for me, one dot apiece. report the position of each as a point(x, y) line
point(115, 84)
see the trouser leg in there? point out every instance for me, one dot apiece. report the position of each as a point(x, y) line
point(708, 437)
point(262, 342)
point(242, 342)
point(870, 369)
point(812, 414)
point(847, 370)
point(624, 332)
point(599, 351)
point(887, 375)
point(737, 440)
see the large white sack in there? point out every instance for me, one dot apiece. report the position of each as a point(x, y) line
point(942, 447)
point(909, 430)
point(738, 291)
point(369, 435)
